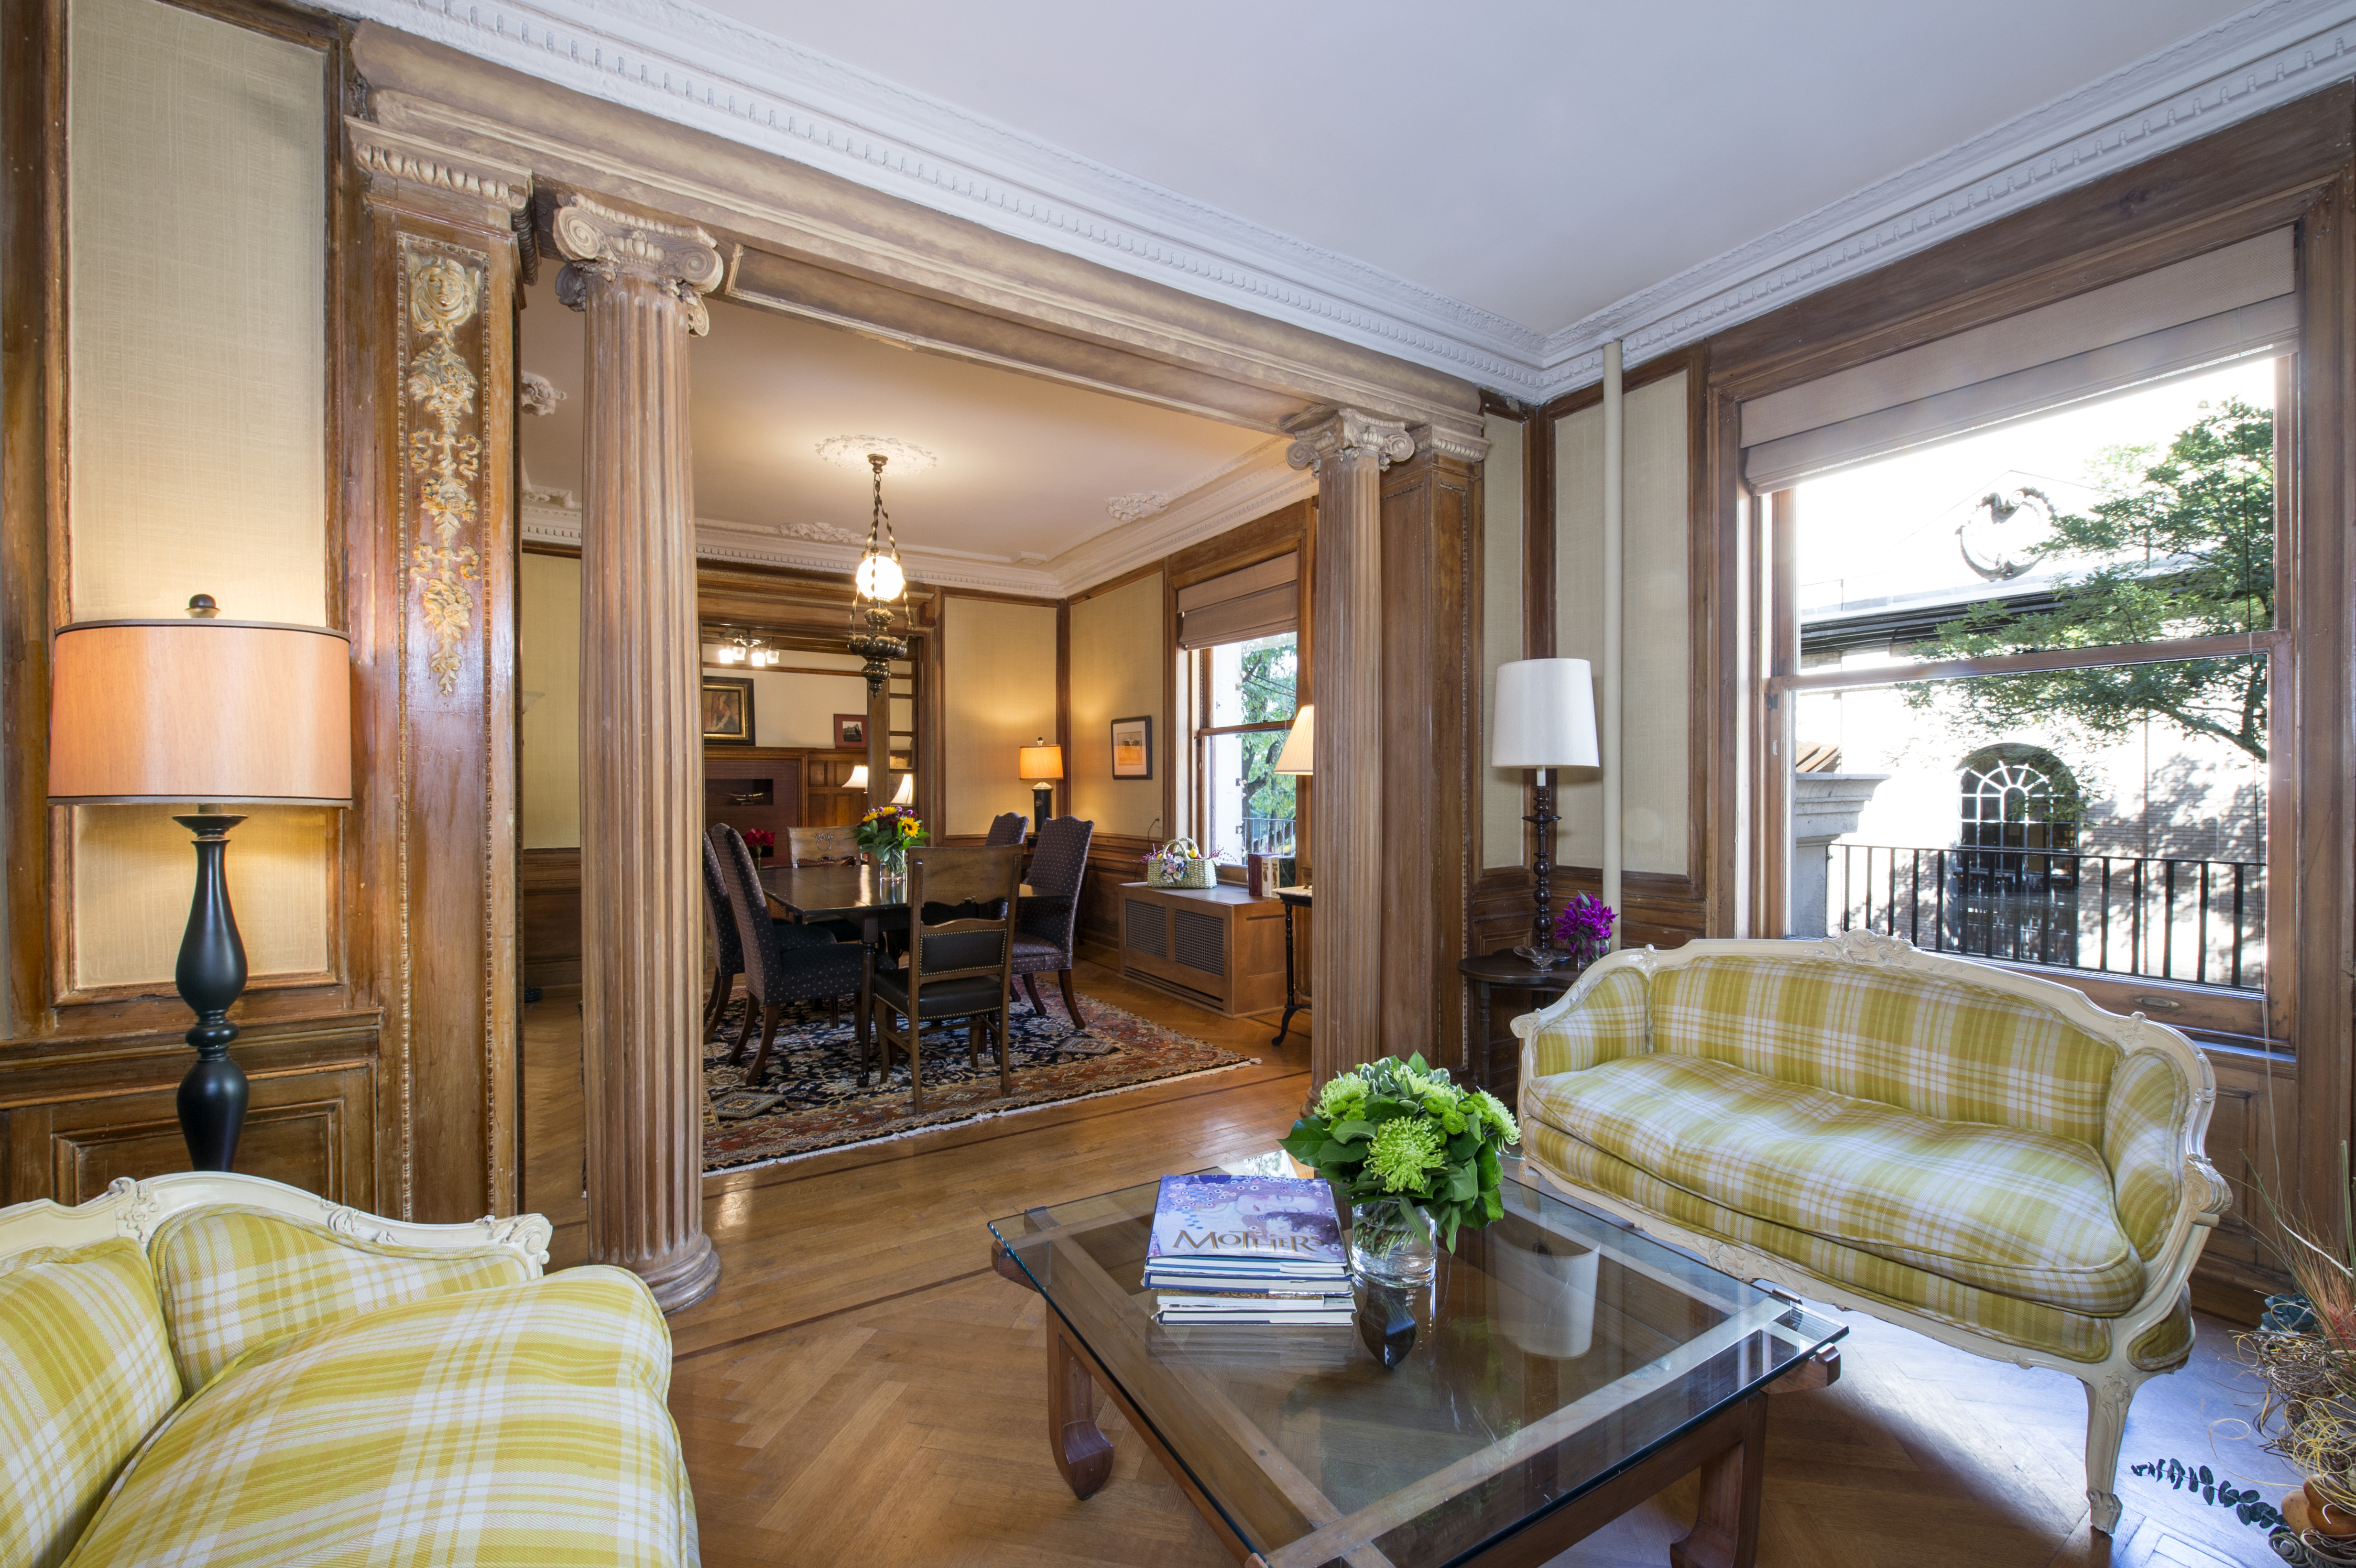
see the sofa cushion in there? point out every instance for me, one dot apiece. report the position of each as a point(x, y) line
point(2009, 1211)
point(85, 1375)
point(2031, 1325)
point(523, 1424)
point(234, 1277)
point(1928, 1043)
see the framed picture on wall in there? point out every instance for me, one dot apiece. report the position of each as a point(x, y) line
point(1133, 748)
point(850, 731)
point(727, 710)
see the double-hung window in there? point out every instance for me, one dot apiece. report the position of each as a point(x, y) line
point(1242, 676)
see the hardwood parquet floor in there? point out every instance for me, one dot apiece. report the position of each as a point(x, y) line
point(863, 1389)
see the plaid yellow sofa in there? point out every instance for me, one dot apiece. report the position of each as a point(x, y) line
point(204, 1369)
point(1978, 1155)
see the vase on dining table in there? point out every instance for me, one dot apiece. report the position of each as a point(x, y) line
point(892, 865)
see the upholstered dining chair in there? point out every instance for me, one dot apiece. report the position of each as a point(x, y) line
point(1042, 925)
point(821, 845)
point(959, 966)
point(784, 962)
point(1006, 830)
point(727, 952)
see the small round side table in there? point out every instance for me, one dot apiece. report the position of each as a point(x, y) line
point(1485, 971)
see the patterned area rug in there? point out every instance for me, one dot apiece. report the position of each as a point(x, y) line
point(809, 1095)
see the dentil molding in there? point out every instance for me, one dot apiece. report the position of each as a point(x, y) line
point(675, 59)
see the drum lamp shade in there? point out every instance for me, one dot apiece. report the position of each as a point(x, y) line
point(1040, 762)
point(199, 712)
point(1544, 716)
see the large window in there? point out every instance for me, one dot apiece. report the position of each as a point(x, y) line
point(1243, 699)
point(2030, 703)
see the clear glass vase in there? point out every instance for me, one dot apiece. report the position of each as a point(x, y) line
point(1392, 1242)
point(891, 863)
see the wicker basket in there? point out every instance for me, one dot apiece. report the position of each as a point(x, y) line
point(1199, 872)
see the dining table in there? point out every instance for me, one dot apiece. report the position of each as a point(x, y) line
point(855, 894)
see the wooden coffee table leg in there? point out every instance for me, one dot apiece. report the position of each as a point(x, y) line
point(1726, 1530)
point(1081, 1451)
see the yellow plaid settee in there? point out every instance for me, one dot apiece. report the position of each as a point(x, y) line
point(1979, 1155)
point(205, 1369)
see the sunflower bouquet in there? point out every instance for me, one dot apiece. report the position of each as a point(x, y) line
point(888, 833)
point(1401, 1131)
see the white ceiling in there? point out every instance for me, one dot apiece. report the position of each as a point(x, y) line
point(1534, 158)
point(1026, 469)
point(1491, 191)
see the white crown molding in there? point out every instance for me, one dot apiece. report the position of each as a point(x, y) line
point(676, 60)
point(2248, 63)
point(1248, 486)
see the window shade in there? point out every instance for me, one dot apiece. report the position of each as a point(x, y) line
point(2211, 308)
point(1259, 601)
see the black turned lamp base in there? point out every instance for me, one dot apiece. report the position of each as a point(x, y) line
point(210, 975)
point(1043, 801)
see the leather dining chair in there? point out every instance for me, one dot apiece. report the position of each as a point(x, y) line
point(1043, 923)
point(784, 962)
point(959, 966)
point(1006, 830)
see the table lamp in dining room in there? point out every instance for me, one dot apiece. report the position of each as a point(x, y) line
point(1544, 719)
point(209, 713)
point(1043, 764)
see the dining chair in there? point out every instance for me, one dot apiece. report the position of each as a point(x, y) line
point(727, 952)
point(821, 845)
point(784, 962)
point(959, 966)
point(1006, 830)
point(1044, 920)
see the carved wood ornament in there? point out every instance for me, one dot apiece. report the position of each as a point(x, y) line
point(441, 290)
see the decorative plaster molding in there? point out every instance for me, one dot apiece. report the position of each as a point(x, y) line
point(1139, 504)
point(391, 156)
point(676, 60)
point(536, 394)
point(850, 451)
point(816, 530)
point(1347, 433)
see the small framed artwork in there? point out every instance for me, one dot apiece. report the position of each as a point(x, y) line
point(1133, 748)
point(850, 731)
point(727, 710)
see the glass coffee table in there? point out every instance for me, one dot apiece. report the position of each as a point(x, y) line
point(1557, 1372)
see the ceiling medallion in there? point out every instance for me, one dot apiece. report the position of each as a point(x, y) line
point(878, 580)
point(852, 452)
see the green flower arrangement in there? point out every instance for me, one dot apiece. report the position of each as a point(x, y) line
point(1400, 1129)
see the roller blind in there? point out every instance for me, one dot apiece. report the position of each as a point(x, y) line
point(2205, 311)
point(1258, 601)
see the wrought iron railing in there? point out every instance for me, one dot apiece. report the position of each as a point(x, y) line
point(1267, 836)
point(2196, 920)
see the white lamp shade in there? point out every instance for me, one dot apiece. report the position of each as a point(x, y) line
point(906, 794)
point(1545, 715)
point(1300, 743)
point(858, 779)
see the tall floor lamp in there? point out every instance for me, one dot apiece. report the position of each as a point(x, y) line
point(1544, 719)
point(210, 711)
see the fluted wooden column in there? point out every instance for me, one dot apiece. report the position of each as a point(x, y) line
point(1349, 450)
point(638, 284)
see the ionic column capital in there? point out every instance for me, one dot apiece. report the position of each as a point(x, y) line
point(598, 241)
point(1347, 433)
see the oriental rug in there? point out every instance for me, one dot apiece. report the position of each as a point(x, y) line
point(809, 1096)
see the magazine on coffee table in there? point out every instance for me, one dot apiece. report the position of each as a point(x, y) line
point(1266, 1247)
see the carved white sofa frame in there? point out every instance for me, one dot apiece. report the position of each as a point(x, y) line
point(2110, 1383)
point(135, 1209)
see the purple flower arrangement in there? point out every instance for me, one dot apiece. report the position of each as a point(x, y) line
point(1584, 928)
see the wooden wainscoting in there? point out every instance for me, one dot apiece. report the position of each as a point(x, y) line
point(72, 1121)
point(548, 906)
point(1113, 858)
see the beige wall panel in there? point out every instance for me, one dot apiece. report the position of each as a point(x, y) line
point(790, 708)
point(197, 222)
point(1657, 645)
point(998, 696)
point(135, 871)
point(1501, 629)
point(1579, 608)
point(548, 662)
point(1120, 646)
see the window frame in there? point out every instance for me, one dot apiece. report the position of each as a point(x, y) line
point(1200, 731)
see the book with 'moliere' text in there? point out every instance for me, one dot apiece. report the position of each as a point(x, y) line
point(1272, 1234)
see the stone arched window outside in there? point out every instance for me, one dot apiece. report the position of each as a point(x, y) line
point(2014, 881)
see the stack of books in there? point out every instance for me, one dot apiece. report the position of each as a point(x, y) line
point(1249, 1250)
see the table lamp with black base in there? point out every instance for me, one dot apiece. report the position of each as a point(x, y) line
point(216, 713)
point(1544, 719)
point(1042, 763)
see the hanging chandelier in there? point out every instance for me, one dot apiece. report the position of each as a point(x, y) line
point(751, 652)
point(878, 582)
